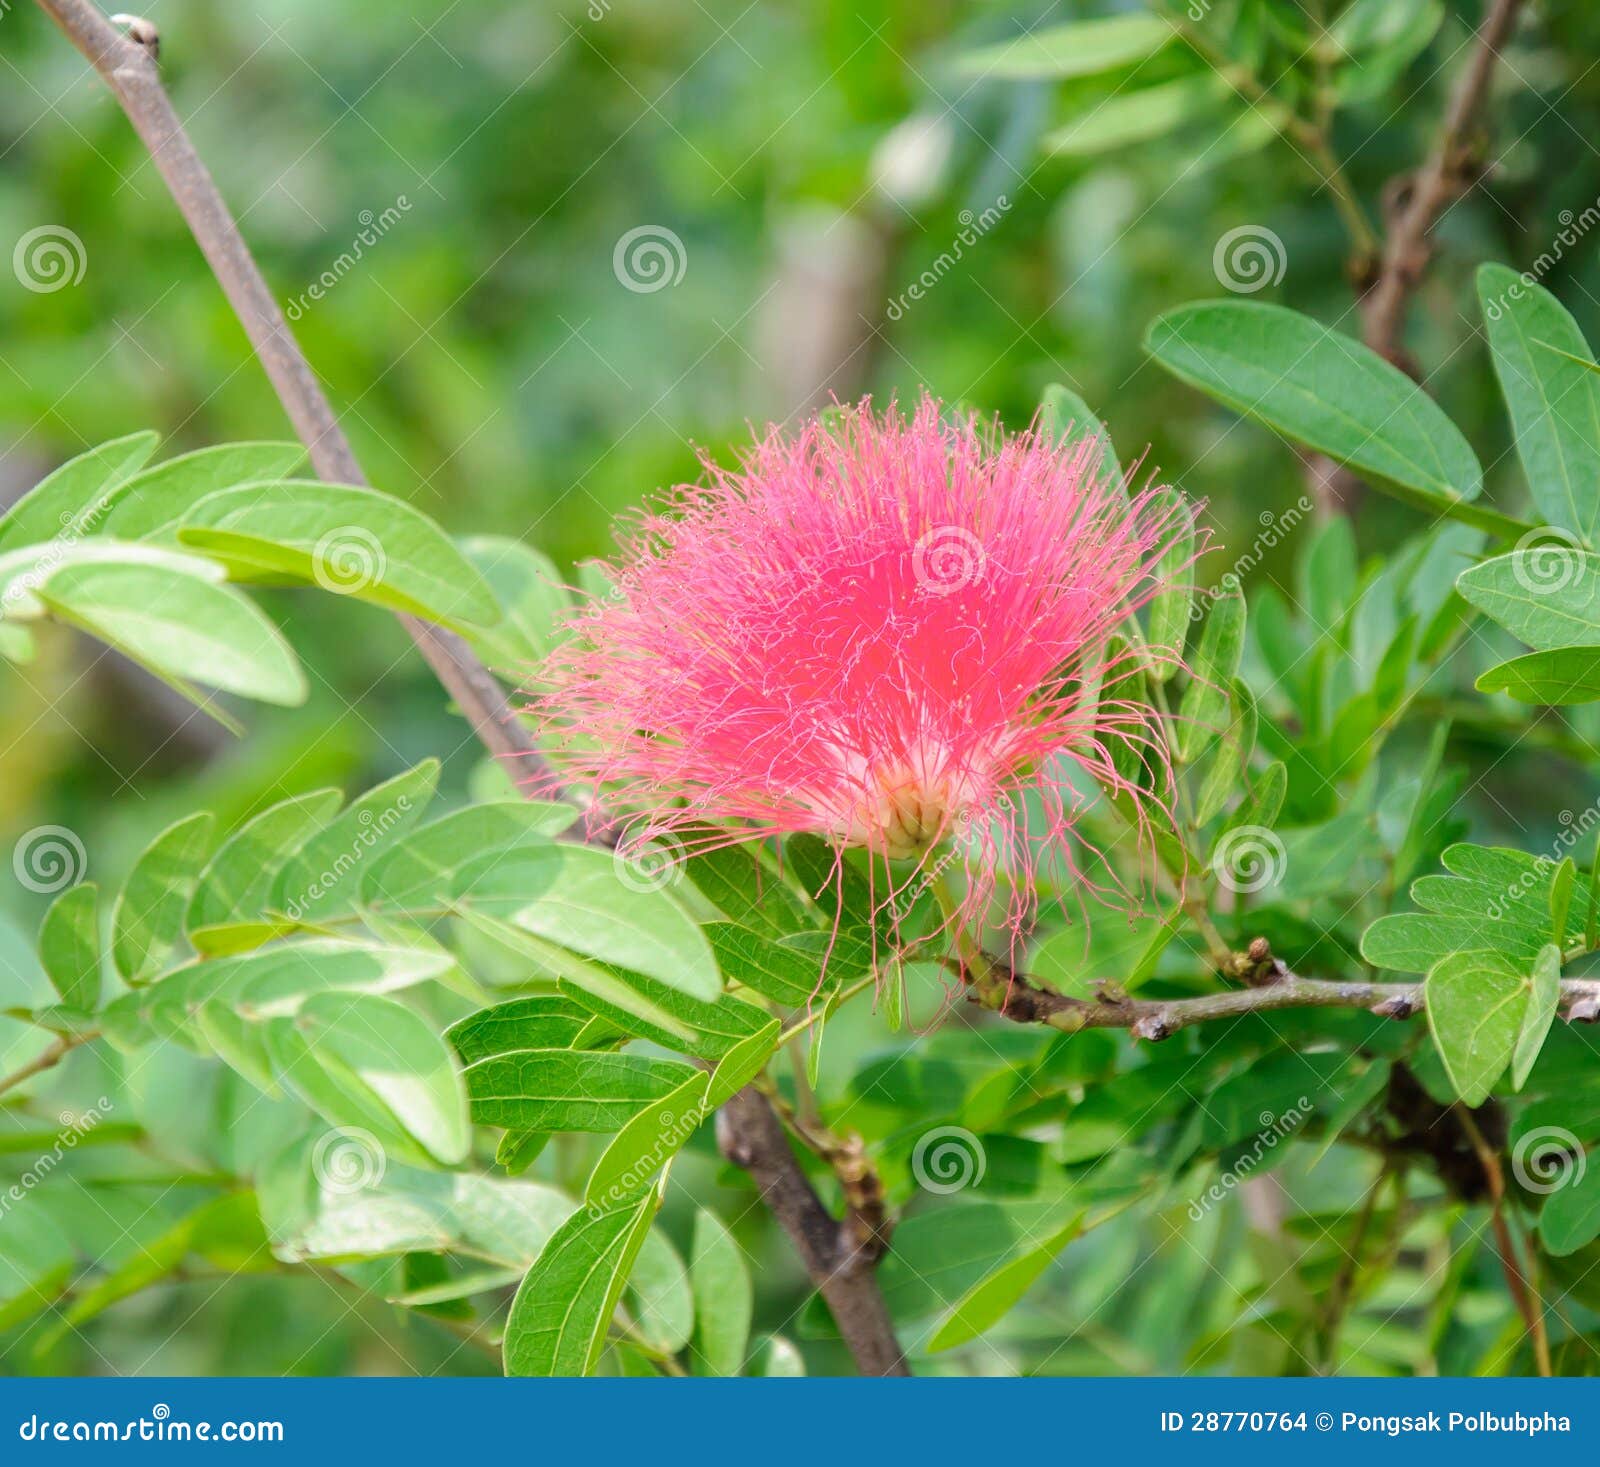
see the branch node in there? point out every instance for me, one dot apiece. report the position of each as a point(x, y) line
point(141, 31)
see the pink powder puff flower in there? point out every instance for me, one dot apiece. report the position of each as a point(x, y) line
point(880, 630)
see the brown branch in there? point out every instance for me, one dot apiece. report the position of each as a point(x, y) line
point(128, 66)
point(1417, 202)
point(838, 1261)
point(47, 1058)
point(1014, 996)
point(129, 69)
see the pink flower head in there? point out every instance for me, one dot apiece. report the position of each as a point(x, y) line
point(884, 631)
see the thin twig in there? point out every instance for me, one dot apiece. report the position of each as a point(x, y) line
point(994, 986)
point(47, 1058)
point(1528, 1304)
point(1446, 174)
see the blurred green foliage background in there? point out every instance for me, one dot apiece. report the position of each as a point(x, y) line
point(813, 158)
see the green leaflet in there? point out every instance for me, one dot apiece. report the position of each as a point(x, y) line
point(69, 946)
point(147, 920)
point(596, 905)
point(558, 1320)
point(724, 1299)
point(1553, 400)
point(568, 1090)
point(1329, 392)
point(1477, 1002)
point(1080, 48)
point(353, 542)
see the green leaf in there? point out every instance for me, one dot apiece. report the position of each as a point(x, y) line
point(150, 505)
point(317, 880)
point(354, 542)
point(743, 1062)
point(421, 871)
point(1544, 994)
point(1329, 392)
point(234, 886)
point(723, 1298)
point(658, 1297)
point(379, 1049)
point(1066, 416)
point(147, 920)
point(533, 602)
point(1204, 710)
point(1139, 116)
point(180, 626)
point(559, 1317)
point(1547, 596)
point(1081, 48)
point(267, 984)
point(736, 881)
point(595, 904)
point(1230, 766)
point(569, 1090)
point(1171, 608)
point(1477, 1003)
point(987, 1301)
point(335, 1197)
point(74, 498)
point(1570, 1217)
point(546, 1021)
point(1559, 678)
point(69, 946)
point(1554, 402)
point(772, 969)
point(648, 1142)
